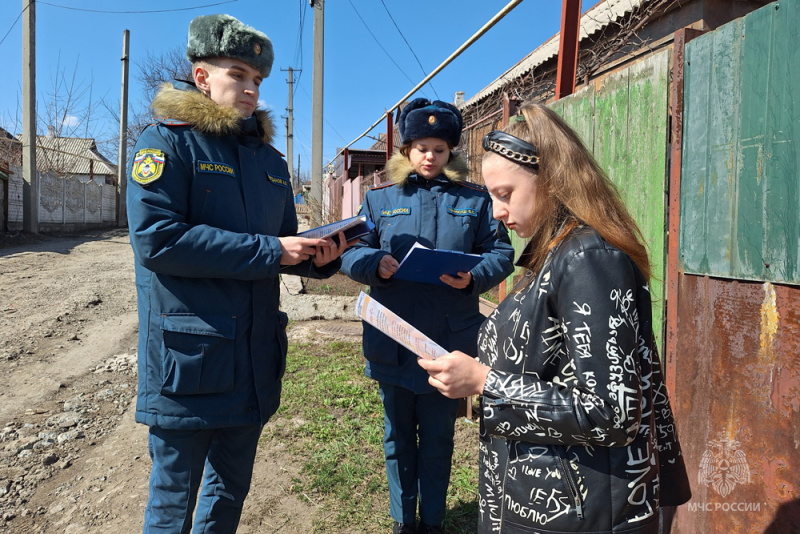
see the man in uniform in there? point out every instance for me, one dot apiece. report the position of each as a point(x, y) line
point(212, 224)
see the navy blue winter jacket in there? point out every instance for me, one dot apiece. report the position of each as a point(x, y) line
point(207, 197)
point(444, 213)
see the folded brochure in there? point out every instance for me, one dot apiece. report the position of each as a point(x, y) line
point(426, 265)
point(353, 228)
point(388, 322)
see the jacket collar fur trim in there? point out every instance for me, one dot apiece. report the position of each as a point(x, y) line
point(182, 101)
point(399, 168)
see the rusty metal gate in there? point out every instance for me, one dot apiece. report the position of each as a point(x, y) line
point(733, 333)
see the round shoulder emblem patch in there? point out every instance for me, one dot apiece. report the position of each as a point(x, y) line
point(148, 164)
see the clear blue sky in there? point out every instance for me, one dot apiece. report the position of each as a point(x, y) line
point(82, 40)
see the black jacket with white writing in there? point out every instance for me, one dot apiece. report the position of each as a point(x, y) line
point(577, 433)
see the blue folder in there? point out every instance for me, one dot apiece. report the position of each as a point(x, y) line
point(426, 265)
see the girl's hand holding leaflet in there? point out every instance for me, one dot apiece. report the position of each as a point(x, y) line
point(456, 374)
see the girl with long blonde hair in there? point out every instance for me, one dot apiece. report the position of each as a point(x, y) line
point(577, 433)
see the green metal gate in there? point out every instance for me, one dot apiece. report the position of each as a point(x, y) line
point(623, 122)
point(740, 192)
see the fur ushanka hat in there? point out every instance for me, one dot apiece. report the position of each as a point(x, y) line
point(423, 118)
point(225, 36)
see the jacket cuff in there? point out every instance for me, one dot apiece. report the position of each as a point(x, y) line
point(373, 278)
point(675, 489)
point(491, 388)
point(327, 270)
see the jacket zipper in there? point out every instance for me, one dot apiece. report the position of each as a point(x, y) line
point(503, 496)
point(205, 201)
point(501, 402)
point(572, 487)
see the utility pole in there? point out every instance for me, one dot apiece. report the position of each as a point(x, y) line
point(290, 129)
point(317, 211)
point(30, 185)
point(122, 167)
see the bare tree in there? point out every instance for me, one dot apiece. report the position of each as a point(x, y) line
point(66, 108)
point(69, 109)
point(153, 71)
point(157, 69)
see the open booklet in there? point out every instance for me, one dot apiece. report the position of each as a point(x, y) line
point(353, 228)
point(397, 328)
point(426, 265)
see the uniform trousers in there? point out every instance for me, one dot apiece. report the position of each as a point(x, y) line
point(418, 446)
point(217, 463)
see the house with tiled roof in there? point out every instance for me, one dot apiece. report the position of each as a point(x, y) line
point(74, 156)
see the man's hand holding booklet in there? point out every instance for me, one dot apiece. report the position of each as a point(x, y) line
point(353, 228)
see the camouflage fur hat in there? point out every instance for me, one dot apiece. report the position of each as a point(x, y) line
point(225, 36)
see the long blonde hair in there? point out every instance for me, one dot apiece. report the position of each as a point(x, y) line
point(572, 188)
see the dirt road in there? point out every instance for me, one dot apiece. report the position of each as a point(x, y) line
point(72, 459)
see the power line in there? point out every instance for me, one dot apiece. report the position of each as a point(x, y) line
point(326, 120)
point(409, 46)
point(298, 54)
point(12, 26)
point(137, 12)
point(502, 13)
point(114, 12)
point(379, 43)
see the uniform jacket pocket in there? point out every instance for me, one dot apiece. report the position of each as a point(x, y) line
point(197, 354)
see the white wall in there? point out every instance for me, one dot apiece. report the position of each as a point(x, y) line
point(64, 201)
